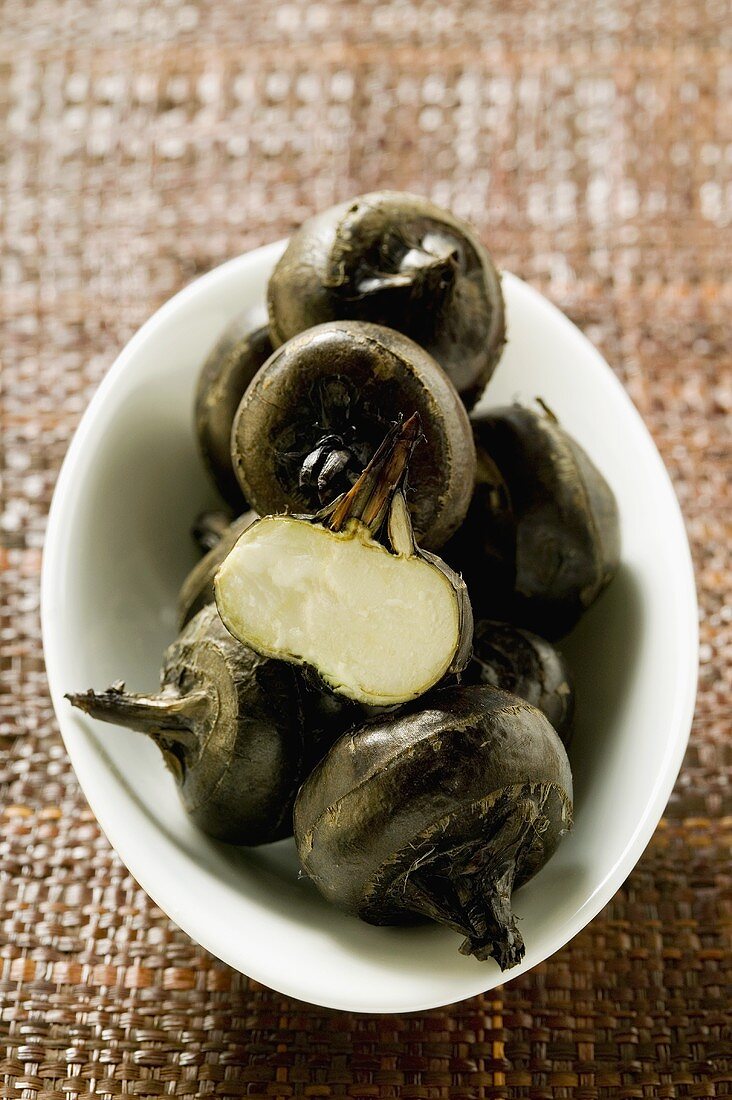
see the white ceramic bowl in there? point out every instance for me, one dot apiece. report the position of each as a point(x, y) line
point(118, 546)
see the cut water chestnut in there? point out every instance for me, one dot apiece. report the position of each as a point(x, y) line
point(318, 409)
point(230, 367)
point(542, 538)
point(441, 809)
point(377, 625)
point(518, 661)
point(397, 260)
point(229, 724)
point(208, 528)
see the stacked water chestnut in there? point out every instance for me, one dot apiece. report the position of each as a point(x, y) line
point(332, 676)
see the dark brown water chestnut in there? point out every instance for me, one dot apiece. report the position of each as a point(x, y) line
point(518, 661)
point(229, 724)
point(397, 260)
point(320, 406)
point(441, 809)
point(542, 536)
point(228, 370)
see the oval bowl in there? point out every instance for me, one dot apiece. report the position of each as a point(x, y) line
point(118, 546)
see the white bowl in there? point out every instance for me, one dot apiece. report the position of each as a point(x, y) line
point(118, 546)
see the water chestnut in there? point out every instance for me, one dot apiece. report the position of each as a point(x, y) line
point(397, 260)
point(229, 724)
point(441, 810)
point(521, 662)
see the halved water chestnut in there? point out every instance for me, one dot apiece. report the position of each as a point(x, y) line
point(229, 724)
point(235, 359)
point(441, 809)
point(542, 536)
point(318, 409)
point(377, 625)
point(397, 260)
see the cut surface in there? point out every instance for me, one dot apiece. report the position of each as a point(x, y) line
point(379, 628)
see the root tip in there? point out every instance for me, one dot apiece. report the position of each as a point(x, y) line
point(508, 951)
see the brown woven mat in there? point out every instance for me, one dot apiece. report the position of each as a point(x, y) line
point(590, 142)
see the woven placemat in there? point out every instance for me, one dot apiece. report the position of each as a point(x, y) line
point(590, 143)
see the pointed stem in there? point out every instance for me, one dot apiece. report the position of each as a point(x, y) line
point(369, 498)
point(168, 716)
point(420, 270)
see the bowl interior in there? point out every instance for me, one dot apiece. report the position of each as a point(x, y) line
point(118, 547)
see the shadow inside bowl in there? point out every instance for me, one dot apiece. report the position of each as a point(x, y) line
point(603, 653)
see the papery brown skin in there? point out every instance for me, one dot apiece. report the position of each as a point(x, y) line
point(317, 410)
point(441, 809)
point(229, 724)
point(197, 590)
point(518, 661)
point(398, 260)
point(541, 539)
point(231, 365)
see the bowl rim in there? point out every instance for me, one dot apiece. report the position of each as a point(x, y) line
point(54, 554)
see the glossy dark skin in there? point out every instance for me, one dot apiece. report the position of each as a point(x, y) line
point(197, 590)
point(321, 405)
point(229, 724)
point(397, 260)
point(518, 661)
point(228, 370)
point(440, 809)
point(542, 538)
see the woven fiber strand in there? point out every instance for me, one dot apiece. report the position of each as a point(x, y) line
point(590, 143)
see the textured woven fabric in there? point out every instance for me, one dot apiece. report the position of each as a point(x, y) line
point(590, 143)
